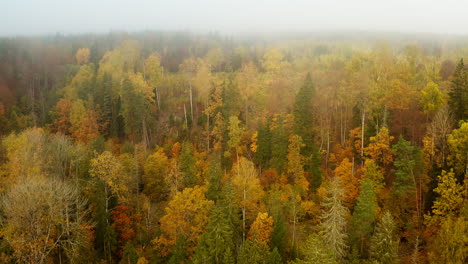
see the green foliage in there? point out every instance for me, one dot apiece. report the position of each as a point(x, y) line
point(316, 250)
point(334, 221)
point(458, 95)
point(214, 176)
point(384, 243)
point(187, 166)
point(133, 109)
point(405, 162)
point(218, 237)
point(364, 214)
point(303, 114)
point(253, 253)
point(264, 145)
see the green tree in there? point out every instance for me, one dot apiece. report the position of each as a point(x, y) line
point(264, 146)
point(315, 250)
point(303, 126)
point(303, 114)
point(217, 238)
point(214, 176)
point(154, 177)
point(458, 95)
point(334, 221)
point(187, 166)
point(384, 243)
point(364, 214)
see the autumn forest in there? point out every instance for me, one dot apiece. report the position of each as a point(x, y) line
point(179, 147)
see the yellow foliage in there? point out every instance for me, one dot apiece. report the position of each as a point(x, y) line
point(261, 229)
point(351, 183)
point(186, 215)
point(379, 148)
point(82, 56)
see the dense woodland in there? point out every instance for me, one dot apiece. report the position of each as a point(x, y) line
point(160, 147)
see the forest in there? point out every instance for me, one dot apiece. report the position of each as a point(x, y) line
point(181, 147)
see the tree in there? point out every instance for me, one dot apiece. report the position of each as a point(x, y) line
point(303, 126)
point(214, 175)
point(451, 243)
point(218, 239)
point(261, 228)
point(432, 98)
point(82, 56)
point(407, 180)
point(43, 217)
point(295, 161)
point(384, 244)
point(345, 173)
point(154, 73)
point(248, 191)
point(154, 177)
point(458, 95)
point(253, 253)
point(458, 143)
point(263, 151)
point(334, 221)
point(186, 218)
point(107, 168)
point(235, 132)
point(187, 166)
point(364, 214)
point(450, 198)
point(315, 250)
point(379, 148)
point(372, 171)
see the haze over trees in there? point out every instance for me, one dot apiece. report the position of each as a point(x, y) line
point(201, 148)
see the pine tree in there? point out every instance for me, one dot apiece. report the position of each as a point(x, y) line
point(458, 96)
point(384, 244)
point(334, 221)
point(274, 257)
point(364, 214)
point(214, 176)
point(315, 250)
point(303, 114)
point(187, 166)
point(263, 153)
point(404, 163)
point(304, 127)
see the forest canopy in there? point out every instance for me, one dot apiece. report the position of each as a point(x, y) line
point(176, 147)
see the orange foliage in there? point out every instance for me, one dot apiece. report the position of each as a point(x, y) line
point(62, 122)
point(89, 127)
point(261, 229)
point(349, 180)
point(123, 226)
point(268, 177)
point(379, 149)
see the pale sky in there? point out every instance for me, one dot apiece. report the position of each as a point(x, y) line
point(26, 17)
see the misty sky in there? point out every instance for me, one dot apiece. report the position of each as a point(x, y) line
point(25, 17)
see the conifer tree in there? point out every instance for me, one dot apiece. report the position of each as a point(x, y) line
point(187, 166)
point(334, 221)
point(458, 96)
point(364, 214)
point(384, 244)
point(316, 251)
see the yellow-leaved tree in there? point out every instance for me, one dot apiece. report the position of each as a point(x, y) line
point(186, 218)
point(261, 229)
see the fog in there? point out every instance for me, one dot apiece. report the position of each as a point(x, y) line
point(34, 17)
